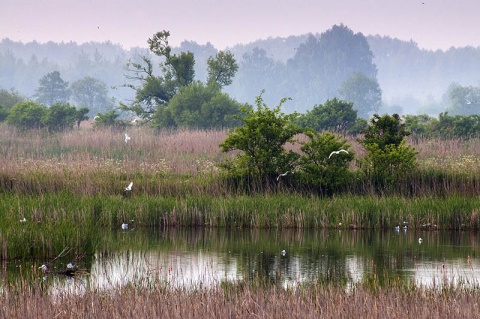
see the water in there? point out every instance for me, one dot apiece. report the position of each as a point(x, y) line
point(187, 258)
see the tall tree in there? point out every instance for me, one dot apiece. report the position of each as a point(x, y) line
point(92, 94)
point(154, 91)
point(52, 89)
point(222, 68)
point(364, 92)
point(334, 115)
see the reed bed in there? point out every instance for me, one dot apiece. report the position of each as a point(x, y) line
point(243, 301)
point(78, 178)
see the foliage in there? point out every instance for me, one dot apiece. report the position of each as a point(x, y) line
point(364, 92)
point(385, 130)
point(319, 168)
point(92, 94)
point(388, 158)
point(59, 117)
point(108, 119)
point(52, 89)
point(26, 115)
point(222, 68)
point(262, 140)
point(463, 100)
point(9, 98)
point(334, 115)
point(389, 164)
point(199, 106)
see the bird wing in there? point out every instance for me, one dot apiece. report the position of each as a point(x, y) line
point(129, 187)
point(332, 154)
point(343, 151)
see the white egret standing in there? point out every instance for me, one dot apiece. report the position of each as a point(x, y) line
point(129, 187)
point(337, 152)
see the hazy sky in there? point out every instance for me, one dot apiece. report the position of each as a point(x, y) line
point(433, 24)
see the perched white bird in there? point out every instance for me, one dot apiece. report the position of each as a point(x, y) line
point(397, 228)
point(337, 152)
point(129, 187)
point(284, 252)
point(127, 138)
point(420, 240)
point(281, 175)
point(124, 226)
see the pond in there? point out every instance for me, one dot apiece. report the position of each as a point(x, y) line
point(202, 257)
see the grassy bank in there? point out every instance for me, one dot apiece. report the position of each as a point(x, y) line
point(244, 301)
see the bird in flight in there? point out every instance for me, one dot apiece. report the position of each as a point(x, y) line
point(127, 138)
point(129, 187)
point(337, 152)
point(281, 175)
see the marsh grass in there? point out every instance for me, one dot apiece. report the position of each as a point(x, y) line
point(245, 300)
point(67, 185)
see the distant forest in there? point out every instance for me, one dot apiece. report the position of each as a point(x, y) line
point(310, 69)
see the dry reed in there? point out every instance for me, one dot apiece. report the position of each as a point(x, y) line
point(314, 301)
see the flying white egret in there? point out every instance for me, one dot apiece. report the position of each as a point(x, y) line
point(69, 265)
point(129, 187)
point(281, 175)
point(127, 138)
point(337, 152)
point(24, 220)
point(43, 267)
point(124, 226)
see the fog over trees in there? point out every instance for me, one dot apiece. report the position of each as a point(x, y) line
point(378, 74)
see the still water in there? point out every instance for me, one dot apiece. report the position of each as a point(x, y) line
point(193, 258)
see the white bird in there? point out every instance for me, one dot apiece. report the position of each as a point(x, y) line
point(24, 220)
point(284, 252)
point(397, 228)
point(337, 152)
point(124, 226)
point(69, 265)
point(129, 187)
point(127, 138)
point(420, 240)
point(281, 175)
point(43, 267)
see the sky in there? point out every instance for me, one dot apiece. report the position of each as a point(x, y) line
point(432, 24)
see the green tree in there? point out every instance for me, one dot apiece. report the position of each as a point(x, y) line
point(201, 106)
point(26, 115)
point(92, 94)
point(154, 91)
point(334, 115)
point(262, 140)
point(108, 119)
point(364, 92)
point(388, 157)
point(52, 89)
point(319, 168)
point(59, 117)
point(222, 68)
point(463, 100)
point(81, 115)
point(9, 98)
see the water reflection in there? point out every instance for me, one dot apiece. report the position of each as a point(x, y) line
point(186, 258)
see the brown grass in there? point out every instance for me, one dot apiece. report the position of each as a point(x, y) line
point(316, 301)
